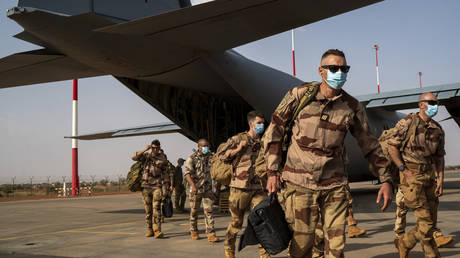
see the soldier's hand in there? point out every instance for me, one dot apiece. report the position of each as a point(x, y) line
point(171, 188)
point(385, 192)
point(439, 189)
point(273, 183)
point(147, 147)
point(194, 189)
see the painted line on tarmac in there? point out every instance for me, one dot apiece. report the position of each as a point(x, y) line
point(188, 224)
point(66, 231)
point(101, 232)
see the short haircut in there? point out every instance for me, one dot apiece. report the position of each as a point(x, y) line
point(253, 114)
point(156, 142)
point(334, 52)
point(202, 142)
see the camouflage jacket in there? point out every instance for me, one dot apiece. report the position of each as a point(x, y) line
point(156, 172)
point(316, 157)
point(427, 143)
point(198, 166)
point(245, 176)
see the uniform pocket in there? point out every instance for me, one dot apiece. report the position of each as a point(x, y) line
point(286, 198)
point(412, 190)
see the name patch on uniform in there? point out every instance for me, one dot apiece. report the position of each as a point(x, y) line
point(324, 117)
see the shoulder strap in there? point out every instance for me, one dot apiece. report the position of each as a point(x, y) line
point(312, 89)
point(305, 100)
point(410, 135)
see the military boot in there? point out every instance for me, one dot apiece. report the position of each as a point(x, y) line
point(263, 253)
point(213, 239)
point(229, 254)
point(402, 249)
point(194, 235)
point(158, 234)
point(149, 232)
point(442, 240)
point(354, 231)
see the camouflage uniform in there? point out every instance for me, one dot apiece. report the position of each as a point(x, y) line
point(401, 211)
point(179, 189)
point(198, 167)
point(315, 165)
point(154, 177)
point(418, 191)
point(246, 188)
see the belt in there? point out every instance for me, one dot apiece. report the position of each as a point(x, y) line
point(423, 168)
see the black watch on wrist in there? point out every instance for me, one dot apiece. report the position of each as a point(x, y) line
point(402, 168)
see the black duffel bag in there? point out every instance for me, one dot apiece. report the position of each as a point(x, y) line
point(167, 208)
point(267, 226)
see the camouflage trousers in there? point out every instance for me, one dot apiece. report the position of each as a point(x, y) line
point(240, 200)
point(207, 199)
point(305, 208)
point(401, 212)
point(318, 246)
point(179, 198)
point(418, 194)
point(152, 204)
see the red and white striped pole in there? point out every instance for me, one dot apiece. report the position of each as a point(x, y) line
point(376, 47)
point(420, 78)
point(75, 181)
point(293, 52)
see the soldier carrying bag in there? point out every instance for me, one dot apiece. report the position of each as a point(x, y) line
point(222, 171)
point(134, 177)
point(267, 225)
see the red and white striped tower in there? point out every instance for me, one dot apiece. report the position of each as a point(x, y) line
point(293, 52)
point(376, 47)
point(420, 78)
point(75, 181)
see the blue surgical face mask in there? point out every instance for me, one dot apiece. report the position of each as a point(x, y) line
point(205, 149)
point(259, 129)
point(336, 80)
point(432, 110)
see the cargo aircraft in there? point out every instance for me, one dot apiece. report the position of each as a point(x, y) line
point(178, 57)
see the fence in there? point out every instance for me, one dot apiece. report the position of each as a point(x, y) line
point(52, 186)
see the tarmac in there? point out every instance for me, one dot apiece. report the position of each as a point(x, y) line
point(113, 226)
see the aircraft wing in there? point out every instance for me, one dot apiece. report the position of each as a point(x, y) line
point(34, 67)
point(162, 128)
point(447, 94)
point(222, 24)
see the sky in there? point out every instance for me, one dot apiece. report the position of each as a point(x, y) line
point(413, 35)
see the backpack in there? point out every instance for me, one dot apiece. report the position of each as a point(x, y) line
point(267, 225)
point(222, 171)
point(134, 177)
point(389, 134)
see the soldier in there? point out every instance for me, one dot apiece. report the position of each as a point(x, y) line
point(179, 187)
point(246, 189)
point(314, 172)
point(419, 163)
point(400, 223)
point(198, 175)
point(154, 177)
